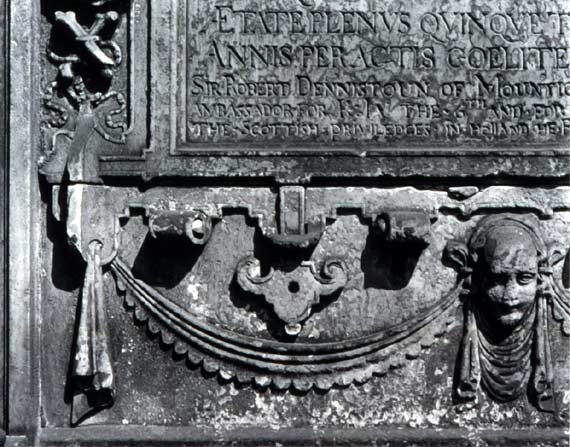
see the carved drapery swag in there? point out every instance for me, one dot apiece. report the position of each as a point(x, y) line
point(92, 368)
point(505, 348)
point(302, 365)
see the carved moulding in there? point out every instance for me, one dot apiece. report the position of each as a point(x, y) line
point(301, 364)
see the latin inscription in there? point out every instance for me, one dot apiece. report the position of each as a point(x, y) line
point(370, 71)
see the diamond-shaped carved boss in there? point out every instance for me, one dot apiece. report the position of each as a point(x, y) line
point(292, 294)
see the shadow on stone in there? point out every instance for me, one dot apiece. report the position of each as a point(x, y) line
point(388, 265)
point(166, 261)
point(68, 267)
point(566, 271)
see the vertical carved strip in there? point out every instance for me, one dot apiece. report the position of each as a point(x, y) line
point(23, 245)
point(92, 370)
point(542, 376)
point(470, 367)
point(3, 215)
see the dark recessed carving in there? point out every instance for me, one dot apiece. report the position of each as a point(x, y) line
point(89, 50)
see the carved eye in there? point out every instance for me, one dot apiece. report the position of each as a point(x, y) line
point(525, 278)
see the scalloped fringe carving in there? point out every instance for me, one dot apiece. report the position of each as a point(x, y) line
point(265, 363)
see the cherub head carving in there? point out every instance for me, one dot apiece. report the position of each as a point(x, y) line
point(510, 258)
point(505, 270)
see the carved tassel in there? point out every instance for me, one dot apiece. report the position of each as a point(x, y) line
point(92, 371)
point(470, 367)
point(542, 376)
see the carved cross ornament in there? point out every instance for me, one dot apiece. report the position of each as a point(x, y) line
point(88, 49)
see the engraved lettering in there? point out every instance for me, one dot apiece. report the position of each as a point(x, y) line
point(368, 73)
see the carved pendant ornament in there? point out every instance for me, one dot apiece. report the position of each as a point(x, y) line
point(292, 294)
point(92, 370)
point(510, 298)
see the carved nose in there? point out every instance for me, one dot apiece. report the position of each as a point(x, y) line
point(510, 292)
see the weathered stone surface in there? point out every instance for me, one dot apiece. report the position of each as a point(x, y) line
point(294, 90)
point(390, 282)
point(3, 207)
point(360, 72)
point(288, 222)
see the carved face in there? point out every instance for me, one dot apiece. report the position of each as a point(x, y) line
point(510, 276)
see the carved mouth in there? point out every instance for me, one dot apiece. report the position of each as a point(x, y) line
point(512, 312)
point(511, 305)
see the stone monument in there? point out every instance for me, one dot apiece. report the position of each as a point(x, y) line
point(286, 222)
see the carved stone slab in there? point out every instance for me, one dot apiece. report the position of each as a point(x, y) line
point(393, 294)
point(371, 72)
point(438, 320)
point(287, 222)
point(296, 89)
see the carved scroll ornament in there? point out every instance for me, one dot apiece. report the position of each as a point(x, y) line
point(292, 295)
